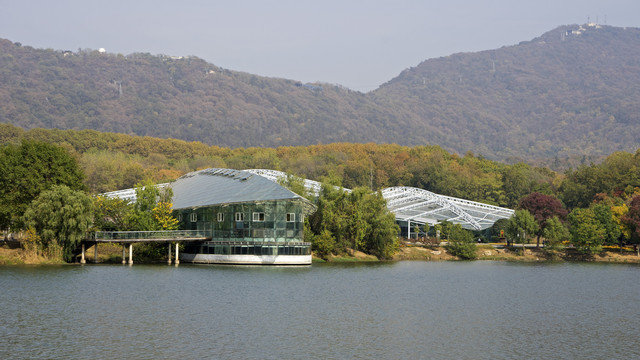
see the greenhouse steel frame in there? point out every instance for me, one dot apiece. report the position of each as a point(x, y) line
point(420, 206)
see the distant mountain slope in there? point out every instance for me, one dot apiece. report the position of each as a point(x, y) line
point(561, 94)
point(162, 96)
point(574, 90)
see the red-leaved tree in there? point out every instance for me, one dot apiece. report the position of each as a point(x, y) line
point(632, 219)
point(543, 207)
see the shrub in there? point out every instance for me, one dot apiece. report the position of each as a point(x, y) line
point(461, 243)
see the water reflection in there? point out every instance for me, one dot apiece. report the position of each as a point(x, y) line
point(365, 310)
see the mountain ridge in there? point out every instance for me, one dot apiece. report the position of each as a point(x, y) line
point(569, 92)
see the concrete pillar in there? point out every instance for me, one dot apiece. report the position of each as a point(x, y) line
point(130, 254)
point(95, 253)
point(82, 260)
point(409, 229)
point(177, 260)
point(169, 257)
point(124, 253)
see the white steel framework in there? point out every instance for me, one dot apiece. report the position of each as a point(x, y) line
point(312, 186)
point(424, 207)
point(420, 206)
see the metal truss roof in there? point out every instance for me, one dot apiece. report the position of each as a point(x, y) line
point(421, 206)
point(128, 194)
point(274, 175)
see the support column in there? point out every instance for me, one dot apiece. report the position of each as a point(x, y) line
point(169, 257)
point(82, 260)
point(177, 260)
point(409, 229)
point(130, 254)
point(95, 253)
point(124, 253)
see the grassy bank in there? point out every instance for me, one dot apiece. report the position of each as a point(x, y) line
point(19, 256)
point(112, 253)
point(488, 252)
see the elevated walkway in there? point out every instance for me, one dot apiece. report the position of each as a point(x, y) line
point(128, 238)
point(151, 236)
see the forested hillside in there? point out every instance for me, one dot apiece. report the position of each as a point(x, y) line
point(114, 161)
point(560, 95)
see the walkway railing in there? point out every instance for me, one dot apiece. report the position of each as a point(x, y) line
point(255, 235)
point(152, 235)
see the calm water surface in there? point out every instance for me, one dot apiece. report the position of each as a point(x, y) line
point(453, 310)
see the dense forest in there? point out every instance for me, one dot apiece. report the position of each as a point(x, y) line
point(43, 169)
point(113, 161)
point(568, 94)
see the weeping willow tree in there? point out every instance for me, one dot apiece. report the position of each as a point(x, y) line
point(60, 217)
point(359, 220)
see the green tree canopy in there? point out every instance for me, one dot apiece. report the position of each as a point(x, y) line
point(146, 215)
point(61, 216)
point(555, 232)
point(521, 225)
point(587, 233)
point(461, 243)
point(29, 169)
point(358, 220)
point(608, 223)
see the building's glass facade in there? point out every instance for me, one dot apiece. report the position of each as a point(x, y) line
point(254, 228)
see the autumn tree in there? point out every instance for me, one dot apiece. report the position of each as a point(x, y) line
point(110, 213)
point(542, 207)
point(632, 221)
point(163, 215)
point(619, 212)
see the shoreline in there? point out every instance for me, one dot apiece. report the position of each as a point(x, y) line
point(488, 252)
point(18, 256)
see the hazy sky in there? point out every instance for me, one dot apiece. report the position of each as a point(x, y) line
point(359, 44)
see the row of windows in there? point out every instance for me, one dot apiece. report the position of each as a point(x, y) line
point(257, 217)
point(255, 250)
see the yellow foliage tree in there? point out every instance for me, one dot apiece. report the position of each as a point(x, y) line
point(618, 213)
point(163, 215)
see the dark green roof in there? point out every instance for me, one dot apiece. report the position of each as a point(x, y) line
point(226, 186)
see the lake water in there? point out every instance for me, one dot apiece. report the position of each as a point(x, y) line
point(403, 310)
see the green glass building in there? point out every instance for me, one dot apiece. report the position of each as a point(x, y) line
point(250, 219)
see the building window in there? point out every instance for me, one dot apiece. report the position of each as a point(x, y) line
point(194, 217)
point(220, 217)
point(291, 217)
point(239, 216)
point(258, 216)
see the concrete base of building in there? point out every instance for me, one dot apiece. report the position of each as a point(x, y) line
point(247, 259)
